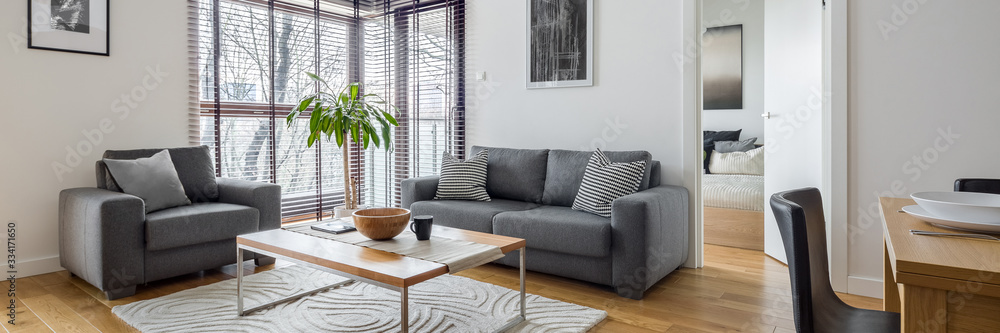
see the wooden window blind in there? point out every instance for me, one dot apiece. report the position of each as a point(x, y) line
point(249, 59)
point(415, 56)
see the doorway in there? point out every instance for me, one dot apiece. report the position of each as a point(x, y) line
point(804, 114)
point(733, 135)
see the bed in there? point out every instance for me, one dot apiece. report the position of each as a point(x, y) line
point(734, 210)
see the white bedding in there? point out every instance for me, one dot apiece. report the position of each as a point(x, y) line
point(744, 192)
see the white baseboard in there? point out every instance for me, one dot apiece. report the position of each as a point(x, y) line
point(864, 286)
point(38, 266)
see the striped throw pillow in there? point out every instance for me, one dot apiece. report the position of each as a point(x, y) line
point(463, 180)
point(738, 163)
point(604, 181)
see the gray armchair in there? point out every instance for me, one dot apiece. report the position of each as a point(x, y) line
point(107, 239)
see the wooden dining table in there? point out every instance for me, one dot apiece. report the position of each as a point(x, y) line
point(938, 284)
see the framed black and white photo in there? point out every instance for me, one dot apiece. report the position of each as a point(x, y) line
point(79, 26)
point(722, 68)
point(560, 43)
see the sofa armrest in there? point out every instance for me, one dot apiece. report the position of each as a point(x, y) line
point(102, 237)
point(266, 197)
point(649, 237)
point(419, 189)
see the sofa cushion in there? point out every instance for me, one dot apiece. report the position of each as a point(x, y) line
point(153, 179)
point(515, 174)
point(566, 169)
point(468, 215)
point(463, 180)
point(193, 164)
point(738, 162)
point(734, 146)
point(198, 223)
point(558, 229)
point(606, 181)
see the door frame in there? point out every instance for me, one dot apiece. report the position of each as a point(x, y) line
point(835, 145)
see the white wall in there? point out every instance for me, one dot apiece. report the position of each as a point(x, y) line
point(56, 101)
point(635, 102)
point(793, 47)
point(750, 14)
point(933, 71)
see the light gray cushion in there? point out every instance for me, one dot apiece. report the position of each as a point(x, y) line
point(515, 174)
point(734, 146)
point(153, 179)
point(194, 166)
point(558, 229)
point(468, 215)
point(566, 169)
point(198, 223)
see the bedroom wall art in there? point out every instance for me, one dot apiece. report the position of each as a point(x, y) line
point(722, 68)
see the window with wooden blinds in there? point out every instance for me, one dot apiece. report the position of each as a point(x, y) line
point(249, 59)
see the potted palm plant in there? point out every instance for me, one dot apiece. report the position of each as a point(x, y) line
point(345, 115)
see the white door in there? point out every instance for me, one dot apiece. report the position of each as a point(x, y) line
point(793, 98)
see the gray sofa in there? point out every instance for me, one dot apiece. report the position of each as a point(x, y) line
point(107, 239)
point(532, 191)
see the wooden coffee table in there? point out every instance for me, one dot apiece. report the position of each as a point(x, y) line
point(380, 268)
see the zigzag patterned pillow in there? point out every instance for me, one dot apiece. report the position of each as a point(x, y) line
point(463, 180)
point(605, 181)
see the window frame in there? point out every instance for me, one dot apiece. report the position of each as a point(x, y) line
point(217, 108)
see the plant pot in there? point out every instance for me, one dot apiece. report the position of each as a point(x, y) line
point(381, 223)
point(340, 212)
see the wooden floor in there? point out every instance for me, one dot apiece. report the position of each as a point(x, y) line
point(737, 290)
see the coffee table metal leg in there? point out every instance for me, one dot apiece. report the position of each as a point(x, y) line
point(523, 296)
point(524, 301)
point(404, 323)
point(239, 281)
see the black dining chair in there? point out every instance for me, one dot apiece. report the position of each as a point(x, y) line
point(816, 307)
point(977, 185)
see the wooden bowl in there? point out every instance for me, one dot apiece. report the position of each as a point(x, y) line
point(381, 223)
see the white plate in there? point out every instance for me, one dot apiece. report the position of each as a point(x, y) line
point(922, 214)
point(961, 206)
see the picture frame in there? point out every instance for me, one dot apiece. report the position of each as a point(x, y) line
point(76, 26)
point(560, 49)
point(722, 68)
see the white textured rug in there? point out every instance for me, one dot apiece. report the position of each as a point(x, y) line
point(444, 304)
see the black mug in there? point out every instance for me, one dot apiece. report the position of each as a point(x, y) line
point(422, 226)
